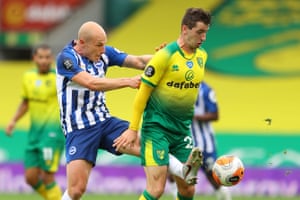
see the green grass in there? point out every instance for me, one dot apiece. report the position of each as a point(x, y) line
point(135, 197)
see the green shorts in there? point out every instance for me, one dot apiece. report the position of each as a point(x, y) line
point(157, 143)
point(46, 152)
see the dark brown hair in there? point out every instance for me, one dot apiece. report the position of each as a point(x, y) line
point(194, 15)
point(40, 46)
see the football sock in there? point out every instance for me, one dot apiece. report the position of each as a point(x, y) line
point(66, 196)
point(146, 196)
point(223, 194)
point(175, 166)
point(173, 188)
point(40, 189)
point(180, 197)
point(53, 191)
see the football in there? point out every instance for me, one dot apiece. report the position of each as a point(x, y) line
point(228, 170)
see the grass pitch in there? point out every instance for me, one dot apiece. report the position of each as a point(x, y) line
point(135, 196)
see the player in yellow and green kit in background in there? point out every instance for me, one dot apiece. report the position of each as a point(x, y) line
point(45, 138)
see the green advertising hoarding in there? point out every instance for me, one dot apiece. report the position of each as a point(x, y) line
point(256, 150)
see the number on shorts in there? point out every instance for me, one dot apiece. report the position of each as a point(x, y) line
point(189, 141)
point(47, 153)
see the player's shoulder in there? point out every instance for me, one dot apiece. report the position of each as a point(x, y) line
point(202, 50)
point(30, 75)
point(171, 47)
point(68, 47)
point(30, 72)
point(67, 51)
point(68, 57)
point(167, 52)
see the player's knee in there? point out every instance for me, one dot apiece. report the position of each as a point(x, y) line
point(156, 192)
point(31, 180)
point(77, 191)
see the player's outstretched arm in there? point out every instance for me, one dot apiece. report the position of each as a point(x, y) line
point(21, 111)
point(140, 62)
point(137, 62)
point(104, 84)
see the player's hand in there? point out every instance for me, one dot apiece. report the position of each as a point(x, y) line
point(127, 139)
point(161, 46)
point(135, 82)
point(9, 129)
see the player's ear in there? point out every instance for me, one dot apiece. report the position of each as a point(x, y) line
point(81, 41)
point(184, 28)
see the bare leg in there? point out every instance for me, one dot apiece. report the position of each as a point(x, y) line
point(32, 176)
point(156, 180)
point(78, 172)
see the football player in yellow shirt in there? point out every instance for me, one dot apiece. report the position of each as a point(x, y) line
point(166, 99)
point(45, 138)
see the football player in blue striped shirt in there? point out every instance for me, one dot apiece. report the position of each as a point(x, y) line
point(85, 118)
point(206, 111)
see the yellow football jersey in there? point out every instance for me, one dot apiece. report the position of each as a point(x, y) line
point(40, 91)
point(176, 78)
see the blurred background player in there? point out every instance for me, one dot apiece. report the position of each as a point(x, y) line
point(45, 138)
point(206, 111)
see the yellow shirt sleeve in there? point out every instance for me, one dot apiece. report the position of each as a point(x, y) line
point(139, 105)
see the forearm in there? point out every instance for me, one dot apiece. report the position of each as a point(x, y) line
point(137, 62)
point(104, 84)
point(22, 109)
point(139, 105)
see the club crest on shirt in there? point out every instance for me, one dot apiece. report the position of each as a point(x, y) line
point(68, 64)
point(149, 71)
point(189, 64)
point(48, 83)
point(38, 83)
point(200, 61)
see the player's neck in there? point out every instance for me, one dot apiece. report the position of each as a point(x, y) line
point(184, 47)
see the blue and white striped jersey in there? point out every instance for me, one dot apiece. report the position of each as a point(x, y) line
point(80, 107)
point(203, 133)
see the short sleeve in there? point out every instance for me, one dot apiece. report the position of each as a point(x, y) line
point(68, 65)
point(115, 56)
point(155, 69)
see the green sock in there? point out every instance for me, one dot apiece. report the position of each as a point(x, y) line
point(53, 191)
point(180, 197)
point(40, 189)
point(146, 196)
